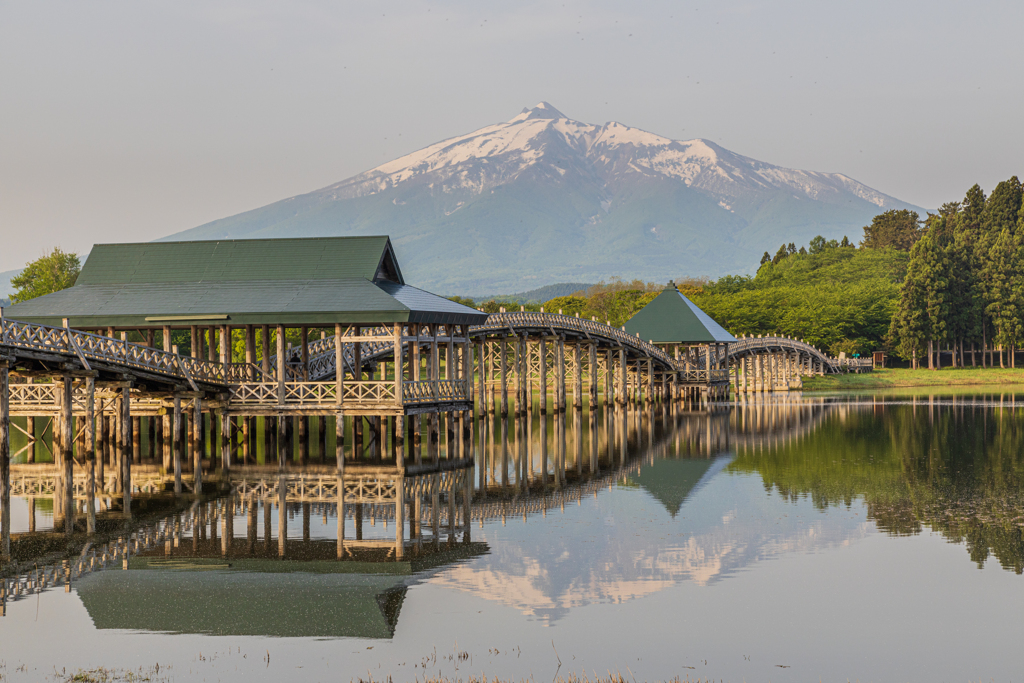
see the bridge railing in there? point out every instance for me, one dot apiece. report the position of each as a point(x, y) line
point(529, 319)
point(74, 343)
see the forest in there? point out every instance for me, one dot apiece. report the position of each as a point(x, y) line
point(951, 284)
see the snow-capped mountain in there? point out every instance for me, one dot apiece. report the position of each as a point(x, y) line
point(543, 198)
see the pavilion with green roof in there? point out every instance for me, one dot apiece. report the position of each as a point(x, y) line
point(698, 343)
point(236, 303)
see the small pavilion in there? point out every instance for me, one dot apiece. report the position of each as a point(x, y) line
point(699, 345)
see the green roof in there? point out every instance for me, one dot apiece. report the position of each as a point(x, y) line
point(672, 318)
point(315, 281)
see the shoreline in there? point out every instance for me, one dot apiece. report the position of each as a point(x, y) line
point(896, 378)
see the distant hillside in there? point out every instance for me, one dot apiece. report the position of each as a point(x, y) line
point(541, 294)
point(545, 198)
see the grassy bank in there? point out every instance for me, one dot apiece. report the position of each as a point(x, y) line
point(898, 377)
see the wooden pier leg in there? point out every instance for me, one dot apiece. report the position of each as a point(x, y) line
point(504, 376)
point(282, 441)
point(126, 460)
point(67, 456)
point(592, 358)
point(225, 445)
point(543, 388)
point(5, 462)
point(577, 391)
point(90, 453)
point(339, 440)
point(650, 380)
point(399, 438)
point(623, 378)
point(246, 424)
point(137, 440)
point(560, 406)
point(176, 444)
point(197, 444)
point(101, 448)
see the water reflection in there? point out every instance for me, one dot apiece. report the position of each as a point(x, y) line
point(558, 512)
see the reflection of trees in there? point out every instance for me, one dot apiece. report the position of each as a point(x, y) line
point(957, 469)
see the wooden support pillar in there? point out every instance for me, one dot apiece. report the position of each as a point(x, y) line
point(137, 439)
point(339, 413)
point(623, 378)
point(225, 442)
point(197, 444)
point(543, 388)
point(504, 376)
point(560, 345)
point(5, 462)
point(90, 454)
point(126, 460)
point(592, 359)
point(176, 444)
point(282, 365)
point(577, 390)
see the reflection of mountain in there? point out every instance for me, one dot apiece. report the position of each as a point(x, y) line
point(618, 547)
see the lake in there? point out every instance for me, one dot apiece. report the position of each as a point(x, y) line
point(781, 537)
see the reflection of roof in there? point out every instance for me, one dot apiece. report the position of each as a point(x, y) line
point(671, 318)
point(241, 282)
point(318, 597)
point(671, 481)
point(226, 602)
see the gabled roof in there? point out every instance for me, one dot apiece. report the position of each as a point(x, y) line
point(316, 281)
point(672, 318)
point(315, 258)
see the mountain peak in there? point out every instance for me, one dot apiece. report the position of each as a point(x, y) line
point(543, 110)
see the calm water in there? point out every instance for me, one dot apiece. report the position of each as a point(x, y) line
point(790, 539)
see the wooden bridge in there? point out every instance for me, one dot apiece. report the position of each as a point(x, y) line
point(777, 363)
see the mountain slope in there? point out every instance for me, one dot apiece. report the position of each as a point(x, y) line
point(543, 198)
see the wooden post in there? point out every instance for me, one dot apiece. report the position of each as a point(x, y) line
point(137, 439)
point(560, 350)
point(504, 376)
point(67, 456)
point(176, 444)
point(90, 453)
point(339, 413)
point(304, 351)
point(282, 374)
point(197, 443)
point(225, 443)
point(622, 395)
point(543, 388)
point(5, 461)
point(592, 359)
point(126, 460)
point(577, 392)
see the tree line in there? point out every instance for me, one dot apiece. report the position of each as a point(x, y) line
point(964, 287)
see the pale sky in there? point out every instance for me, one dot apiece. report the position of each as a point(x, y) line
point(127, 121)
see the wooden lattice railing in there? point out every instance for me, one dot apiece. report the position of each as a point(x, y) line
point(93, 347)
point(527, 320)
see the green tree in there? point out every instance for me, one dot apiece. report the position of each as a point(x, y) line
point(779, 255)
point(896, 228)
point(48, 274)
